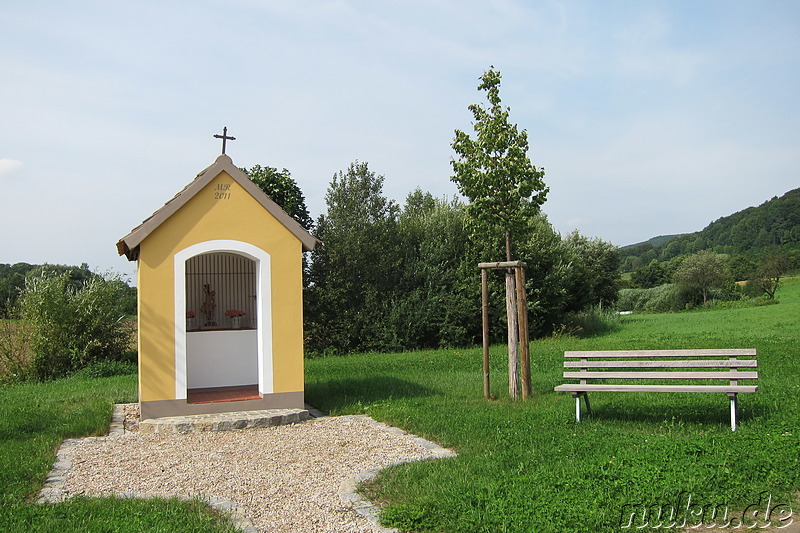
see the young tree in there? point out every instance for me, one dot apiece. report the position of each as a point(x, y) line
point(493, 170)
point(283, 190)
point(504, 188)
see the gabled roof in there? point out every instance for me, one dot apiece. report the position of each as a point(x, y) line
point(129, 244)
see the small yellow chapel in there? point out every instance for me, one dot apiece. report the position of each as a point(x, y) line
point(220, 301)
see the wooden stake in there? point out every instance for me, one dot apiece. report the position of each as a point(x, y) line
point(524, 344)
point(517, 312)
point(485, 312)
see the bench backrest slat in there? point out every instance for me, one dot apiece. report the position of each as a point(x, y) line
point(745, 352)
point(661, 375)
point(719, 363)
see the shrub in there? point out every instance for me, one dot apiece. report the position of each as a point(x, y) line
point(73, 327)
point(673, 297)
point(664, 298)
point(15, 353)
point(592, 321)
point(107, 368)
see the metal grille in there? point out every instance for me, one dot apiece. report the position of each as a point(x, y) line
point(218, 282)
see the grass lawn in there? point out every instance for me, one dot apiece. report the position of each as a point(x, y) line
point(34, 419)
point(528, 466)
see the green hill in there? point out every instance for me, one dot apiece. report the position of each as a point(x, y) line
point(655, 242)
point(751, 233)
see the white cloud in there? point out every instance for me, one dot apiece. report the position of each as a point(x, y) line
point(7, 166)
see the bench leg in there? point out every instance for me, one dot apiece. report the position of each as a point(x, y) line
point(734, 409)
point(577, 396)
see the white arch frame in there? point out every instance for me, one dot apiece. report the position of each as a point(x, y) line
point(263, 299)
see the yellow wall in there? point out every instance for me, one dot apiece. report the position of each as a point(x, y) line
point(217, 212)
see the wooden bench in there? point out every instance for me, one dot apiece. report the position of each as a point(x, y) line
point(713, 365)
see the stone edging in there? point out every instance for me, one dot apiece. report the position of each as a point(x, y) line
point(53, 490)
point(363, 506)
point(117, 420)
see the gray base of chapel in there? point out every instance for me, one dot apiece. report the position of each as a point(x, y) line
point(278, 400)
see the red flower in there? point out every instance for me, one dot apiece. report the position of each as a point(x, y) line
point(234, 313)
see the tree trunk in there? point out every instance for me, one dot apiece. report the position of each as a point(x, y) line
point(513, 326)
point(513, 336)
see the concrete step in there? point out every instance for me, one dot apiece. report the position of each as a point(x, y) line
point(224, 421)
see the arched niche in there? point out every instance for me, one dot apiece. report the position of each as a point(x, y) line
point(215, 280)
point(221, 292)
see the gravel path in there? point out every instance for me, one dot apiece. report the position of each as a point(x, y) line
point(286, 478)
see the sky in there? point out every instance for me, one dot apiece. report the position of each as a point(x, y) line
point(649, 118)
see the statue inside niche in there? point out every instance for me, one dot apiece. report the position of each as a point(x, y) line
point(209, 306)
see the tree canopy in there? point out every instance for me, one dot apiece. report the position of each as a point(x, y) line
point(283, 190)
point(703, 271)
point(769, 274)
point(493, 170)
point(350, 274)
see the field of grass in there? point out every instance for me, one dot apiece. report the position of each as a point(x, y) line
point(528, 466)
point(34, 419)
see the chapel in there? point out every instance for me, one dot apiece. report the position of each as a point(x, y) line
point(220, 299)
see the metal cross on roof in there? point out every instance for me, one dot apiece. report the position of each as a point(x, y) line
point(224, 138)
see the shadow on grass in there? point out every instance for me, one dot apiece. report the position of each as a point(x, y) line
point(671, 412)
point(338, 394)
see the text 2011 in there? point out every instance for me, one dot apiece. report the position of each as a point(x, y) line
point(222, 191)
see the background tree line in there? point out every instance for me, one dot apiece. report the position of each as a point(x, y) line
point(703, 278)
point(388, 277)
point(12, 283)
point(747, 238)
point(755, 247)
point(399, 277)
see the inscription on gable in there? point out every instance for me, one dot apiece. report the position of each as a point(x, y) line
point(222, 191)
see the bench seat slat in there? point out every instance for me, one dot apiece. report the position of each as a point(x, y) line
point(719, 363)
point(746, 352)
point(660, 375)
point(657, 388)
